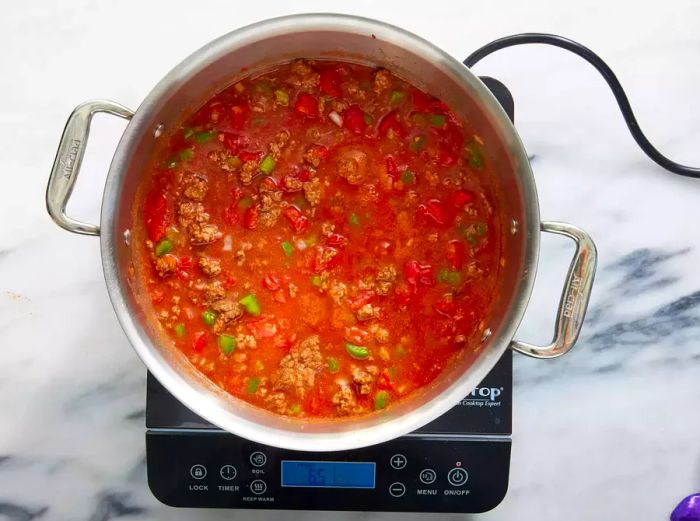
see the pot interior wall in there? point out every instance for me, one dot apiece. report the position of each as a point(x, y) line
point(244, 52)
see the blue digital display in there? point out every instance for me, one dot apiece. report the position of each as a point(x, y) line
point(328, 474)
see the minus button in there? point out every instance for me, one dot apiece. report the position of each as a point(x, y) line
point(397, 489)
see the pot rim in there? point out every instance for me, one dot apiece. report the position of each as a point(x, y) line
point(206, 406)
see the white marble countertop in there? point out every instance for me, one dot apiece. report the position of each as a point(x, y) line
point(611, 431)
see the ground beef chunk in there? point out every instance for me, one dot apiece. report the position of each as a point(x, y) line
point(297, 370)
point(248, 171)
point(292, 184)
point(354, 89)
point(367, 312)
point(304, 76)
point(196, 187)
point(382, 80)
point(189, 212)
point(338, 105)
point(166, 265)
point(312, 191)
point(210, 291)
point(315, 154)
point(277, 401)
point(203, 233)
point(244, 341)
point(337, 292)
point(227, 311)
point(364, 378)
point(209, 266)
point(352, 164)
point(385, 280)
point(270, 209)
point(345, 401)
point(278, 144)
point(381, 334)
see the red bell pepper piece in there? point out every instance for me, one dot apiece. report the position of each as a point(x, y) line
point(433, 211)
point(354, 119)
point(307, 105)
point(250, 217)
point(461, 197)
point(416, 273)
point(455, 254)
point(391, 122)
point(298, 221)
point(156, 214)
point(199, 341)
point(329, 82)
point(271, 282)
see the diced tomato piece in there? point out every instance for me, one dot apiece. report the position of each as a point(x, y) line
point(298, 221)
point(307, 105)
point(335, 239)
point(229, 282)
point(185, 263)
point(384, 381)
point(446, 158)
point(250, 156)
point(318, 152)
point(391, 122)
point(234, 143)
point(356, 336)
point(238, 116)
point(284, 323)
point(433, 212)
point(271, 282)
point(446, 305)
point(391, 169)
point(305, 175)
point(250, 217)
point(326, 257)
point(420, 100)
point(264, 328)
point(199, 341)
point(157, 296)
point(283, 342)
point(455, 254)
point(461, 198)
point(329, 82)
point(280, 296)
point(452, 137)
point(426, 103)
point(268, 184)
point(365, 297)
point(416, 273)
point(231, 214)
point(354, 119)
point(156, 214)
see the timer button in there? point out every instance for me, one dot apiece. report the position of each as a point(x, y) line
point(427, 476)
point(457, 476)
point(228, 472)
point(397, 489)
point(258, 487)
point(398, 461)
point(258, 459)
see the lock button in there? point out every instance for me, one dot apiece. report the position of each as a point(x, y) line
point(198, 471)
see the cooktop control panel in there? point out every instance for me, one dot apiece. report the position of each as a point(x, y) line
point(440, 474)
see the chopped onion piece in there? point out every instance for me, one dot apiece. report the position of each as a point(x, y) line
point(300, 244)
point(228, 243)
point(336, 118)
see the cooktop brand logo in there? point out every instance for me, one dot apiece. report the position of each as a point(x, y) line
point(484, 397)
point(68, 162)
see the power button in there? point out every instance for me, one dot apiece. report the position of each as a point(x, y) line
point(457, 476)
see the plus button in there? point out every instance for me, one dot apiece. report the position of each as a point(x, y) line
point(398, 461)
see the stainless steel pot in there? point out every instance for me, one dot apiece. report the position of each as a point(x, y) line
point(322, 36)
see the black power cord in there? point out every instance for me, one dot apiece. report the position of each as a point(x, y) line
point(610, 78)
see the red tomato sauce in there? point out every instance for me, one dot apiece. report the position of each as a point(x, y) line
point(321, 240)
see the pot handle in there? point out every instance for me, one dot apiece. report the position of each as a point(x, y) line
point(574, 297)
point(66, 166)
